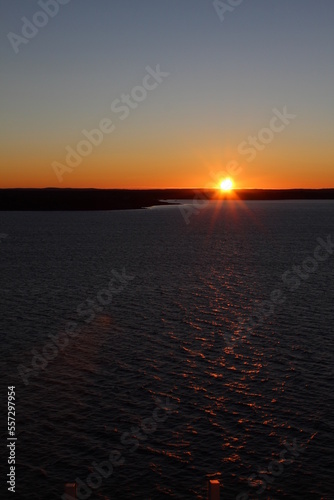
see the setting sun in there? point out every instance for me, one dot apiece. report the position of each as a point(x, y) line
point(226, 184)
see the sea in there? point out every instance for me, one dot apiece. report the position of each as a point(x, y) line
point(154, 350)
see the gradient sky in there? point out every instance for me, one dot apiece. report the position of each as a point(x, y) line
point(225, 79)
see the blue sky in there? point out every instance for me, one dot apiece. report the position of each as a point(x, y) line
point(225, 79)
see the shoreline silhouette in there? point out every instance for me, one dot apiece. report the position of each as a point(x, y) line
point(53, 199)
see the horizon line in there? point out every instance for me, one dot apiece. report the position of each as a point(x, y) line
point(170, 188)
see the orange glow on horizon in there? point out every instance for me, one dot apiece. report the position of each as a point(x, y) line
point(167, 173)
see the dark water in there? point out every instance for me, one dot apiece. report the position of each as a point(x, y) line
point(237, 396)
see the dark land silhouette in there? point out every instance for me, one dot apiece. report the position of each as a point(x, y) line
point(122, 199)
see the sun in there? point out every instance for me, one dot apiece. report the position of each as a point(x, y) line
point(226, 184)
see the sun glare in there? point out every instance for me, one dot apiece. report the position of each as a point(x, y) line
point(226, 184)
